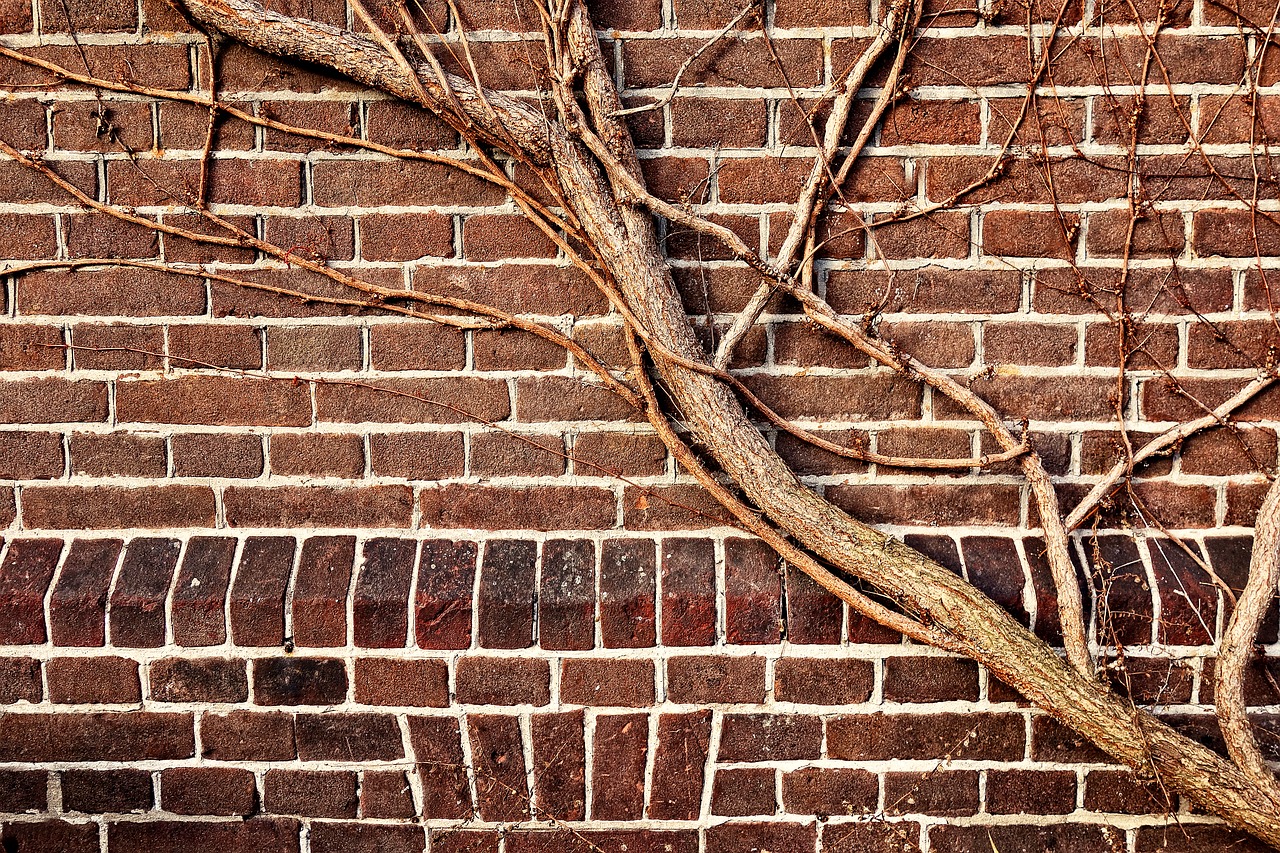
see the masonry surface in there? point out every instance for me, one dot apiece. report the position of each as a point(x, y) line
point(287, 576)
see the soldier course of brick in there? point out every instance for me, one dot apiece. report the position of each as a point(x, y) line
point(291, 576)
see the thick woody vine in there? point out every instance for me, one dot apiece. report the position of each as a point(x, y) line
point(601, 216)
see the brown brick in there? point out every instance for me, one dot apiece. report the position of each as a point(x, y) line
point(21, 683)
point(413, 683)
point(514, 508)
point(348, 737)
point(875, 737)
point(503, 681)
point(403, 125)
point(299, 681)
point(269, 835)
point(619, 682)
point(1031, 791)
point(319, 506)
point(502, 787)
point(779, 837)
point(628, 580)
point(368, 182)
point(829, 791)
point(117, 507)
point(117, 347)
point(493, 238)
point(212, 455)
point(248, 736)
point(939, 235)
point(618, 454)
point(744, 791)
point(654, 63)
point(200, 590)
point(24, 790)
point(49, 401)
point(118, 455)
point(770, 737)
point(1156, 235)
point(317, 454)
point(1030, 234)
point(441, 400)
point(53, 835)
point(319, 598)
point(823, 681)
point(385, 794)
point(214, 400)
point(715, 679)
point(517, 288)
point(559, 760)
point(443, 603)
point(222, 791)
point(618, 766)
point(1087, 838)
point(437, 746)
point(101, 791)
point(567, 595)
point(813, 615)
point(88, 236)
point(314, 348)
point(126, 736)
point(183, 679)
point(310, 793)
point(366, 838)
point(142, 584)
point(25, 576)
point(80, 16)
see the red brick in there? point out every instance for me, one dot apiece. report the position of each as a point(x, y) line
point(944, 793)
point(366, 838)
point(443, 603)
point(503, 681)
point(310, 793)
point(618, 682)
point(627, 587)
point(257, 595)
point(830, 791)
point(317, 454)
point(118, 455)
point(1052, 741)
point(618, 454)
point(926, 290)
point(517, 288)
point(126, 736)
point(248, 736)
point(183, 679)
point(715, 679)
point(319, 506)
point(216, 400)
point(320, 591)
point(222, 791)
point(912, 679)
point(753, 592)
point(932, 504)
point(47, 401)
point(19, 682)
point(1119, 791)
point(239, 180)
point(709, 123)
point(413, 683)
point(929, 122)
point(24, 790)
point(823, 681)
point(654, 63)
point(23, 185)
point(211, 455)
point(369, 182)
point(441, 400)
point(1030, 234)
point(688, 592)
point(348, 737)
point(405, 236)
point(566, 595)
point(53, 835)
point(501, 454)
point(494, 238)
point(502, 788)
point(200, 590)
point(91, 681)
point(770, 737)
point(102, 791)
point(679, 766)
point(299, 681)
point(777, 837)
point(268, 835)
point(385, 794)
point(744, 791)
point(939, 235)
point(618, 766)
point(996, 569)
point(437, 746)
point(1031, 791)
point(25, 576)
point(515, 508)
point(23, 119)
point(876, 737)
point(77, 605)
point(27, 237)
point(559, 760)
point(380, 605)
point(88, 236)
point(142, 584)
point(314, 348)
point(185, 126)
point(1155, 235)
point(117, 347)
point(664, 508)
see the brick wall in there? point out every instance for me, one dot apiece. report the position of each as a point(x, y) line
point(286, 575)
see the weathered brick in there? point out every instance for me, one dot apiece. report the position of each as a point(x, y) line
point(222, 791)
point(366, 838)
point(618, 682)
point(102, 736)
point(882, 737)
point(813, 615)
point(715, 679)
point(137, 617)
point(118, 455)
point(319, 612)
point(744, 791)
point(257, 594)
point(823, 681)
point(385, 794)
point(679, 765)
point(317, 454)
point(507, 593)
point(212, 455)
point(248, 736)
point(688, 592)
point(618, 767)
point(77, 605)
point(415, 683)
point(502, 789)
point(770, 737)
point(200, 591)
point(20, 681)
point(443, 604)
point(23, 790)
point(106, 791)
point(437, 746)
point(628, 583)
point(559, 761)
point(348, 737)
point(25, 576)
point(781, 837)
point(183, 679)
point(829, 791)
point(566, 595)
point(269, 835)
point(1031, 791)
point(503, 681)
point(753, 592)
point(93, 680)
point(299, 681)
point(310, 793)
point(380, 606)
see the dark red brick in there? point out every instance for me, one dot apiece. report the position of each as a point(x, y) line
point(715, 679)
point(385, 794)
point(20, 680)
point(1195, 839)
point(199, 594)
point(462, 505)
point(137, 617)
point(221, 791)
point(777, 837)
point(25, 576)
point(507, 591)
point(52, 835)
point(679, 766)
point(380, 605)
point(1052, 741)
point(1086, 838)
point(106, 791)
point(116, 507)
point(93, 680)
point(417, 455)
point(248, 736)
point(1031, 791)
point(442, 607)
point(753, 592)
point(118, 455)
point(23, 791)
point(823, 681)
point(943, 793)
point(268, 835)
point(742, 791)
point(688, 592)
point(317, 454)
point(618, 766)
point(770, 737)
point(77, 605)
point(503, 681)
point(366, 838)
point(830, 791)
point(310, 793)
point(628, 582)
point(103, 736)
point(348, 737)
point(559, 761)
point(319, 601)
point(183, 679)
point(885, 737)
point(616, 682)
point(414, 683)
point(813, 615)
point(566, 595)
point(257, 594)
point(299, 681)
point(437, 747)
point(1120, 792)
point(498, 754)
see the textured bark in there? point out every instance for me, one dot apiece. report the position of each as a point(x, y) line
point(624, 239)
